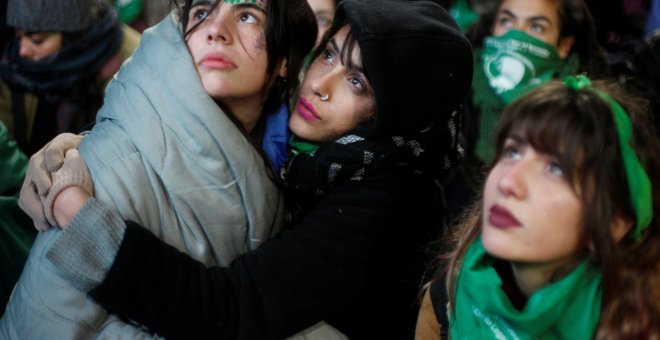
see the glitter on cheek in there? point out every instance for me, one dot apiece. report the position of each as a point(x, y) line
point(260, 42)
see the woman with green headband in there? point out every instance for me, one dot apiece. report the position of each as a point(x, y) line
point(564, 243)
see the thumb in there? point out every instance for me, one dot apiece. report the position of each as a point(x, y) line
point(73, 172)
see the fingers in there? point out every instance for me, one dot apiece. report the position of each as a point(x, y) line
point(40, 178)
point(73, 172)
point(30, 202)
point(38, 173)
point(55, 150)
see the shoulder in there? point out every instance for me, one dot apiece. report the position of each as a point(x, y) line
point(428, 326)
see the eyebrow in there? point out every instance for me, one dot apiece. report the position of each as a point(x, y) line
point(517, 138)
point(201, 2)
point(534, 18)
point(210, 3)
point(249, 5)
point(353, 65)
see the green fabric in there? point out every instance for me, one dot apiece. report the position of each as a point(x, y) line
point(565, 309)
point(16, 230)
point(533, 63)
point(463, 14)
point(639, 184)
point(516, 61)
point(299, 146)
point(128, 10)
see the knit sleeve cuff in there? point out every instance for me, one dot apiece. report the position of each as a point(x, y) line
point(86, 249)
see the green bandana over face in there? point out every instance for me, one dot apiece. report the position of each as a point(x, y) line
point(564, 309)
point(485, 97)
point(515, 61)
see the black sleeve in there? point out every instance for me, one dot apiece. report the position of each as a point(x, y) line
point(289, 283)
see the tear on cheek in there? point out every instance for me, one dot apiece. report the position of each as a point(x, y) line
point(260, 42)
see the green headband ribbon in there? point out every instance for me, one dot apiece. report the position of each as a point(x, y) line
point(638, 181)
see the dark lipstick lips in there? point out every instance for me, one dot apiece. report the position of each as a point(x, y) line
point(501, 217)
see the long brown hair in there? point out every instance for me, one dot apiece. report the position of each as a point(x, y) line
point(578, 129)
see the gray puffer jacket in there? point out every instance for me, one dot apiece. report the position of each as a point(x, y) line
point(163, 154)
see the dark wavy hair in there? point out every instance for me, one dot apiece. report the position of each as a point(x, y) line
point(578, 129)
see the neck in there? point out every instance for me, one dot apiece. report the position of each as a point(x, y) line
point(247, 111)
point(531, 277)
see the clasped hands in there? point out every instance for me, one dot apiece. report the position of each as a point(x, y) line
point(57, 183)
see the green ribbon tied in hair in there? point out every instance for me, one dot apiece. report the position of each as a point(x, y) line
point(638, 181)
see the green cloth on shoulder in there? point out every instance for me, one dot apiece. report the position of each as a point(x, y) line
point(16, 230)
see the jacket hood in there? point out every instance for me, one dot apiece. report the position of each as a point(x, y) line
point(418, 61)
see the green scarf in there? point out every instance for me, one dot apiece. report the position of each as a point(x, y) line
point(490, 102)
point(565, 309)
point(298, 146)
point(463, 14)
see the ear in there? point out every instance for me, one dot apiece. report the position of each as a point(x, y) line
point(620, 227)
point(564, 46)
point(282, 68)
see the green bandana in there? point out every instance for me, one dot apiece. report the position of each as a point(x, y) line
point(463, 14)
point(489, 103)
point(565, 309)
point(515, 61)
point(639, 184)
point(299, 146)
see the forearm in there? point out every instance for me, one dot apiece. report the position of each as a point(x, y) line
point(86, 249)
point(166, 290)
point(290, 283)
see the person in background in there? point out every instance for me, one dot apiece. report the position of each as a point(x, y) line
point(324, 10)
point(54, 71)
point(371, 127)
point(6, 32)
point(519, 45)
point(176, 146)
point(639, 71)
point(16, 232)
point(565, 241)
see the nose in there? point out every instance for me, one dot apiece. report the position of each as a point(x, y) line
point(26, 48)
point(219, 24)
point(324, 83)
point(513, 180)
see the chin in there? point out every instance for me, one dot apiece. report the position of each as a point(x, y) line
point(299, 129)
point(496, 246)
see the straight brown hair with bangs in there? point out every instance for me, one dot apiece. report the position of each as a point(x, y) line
point(578, 129)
